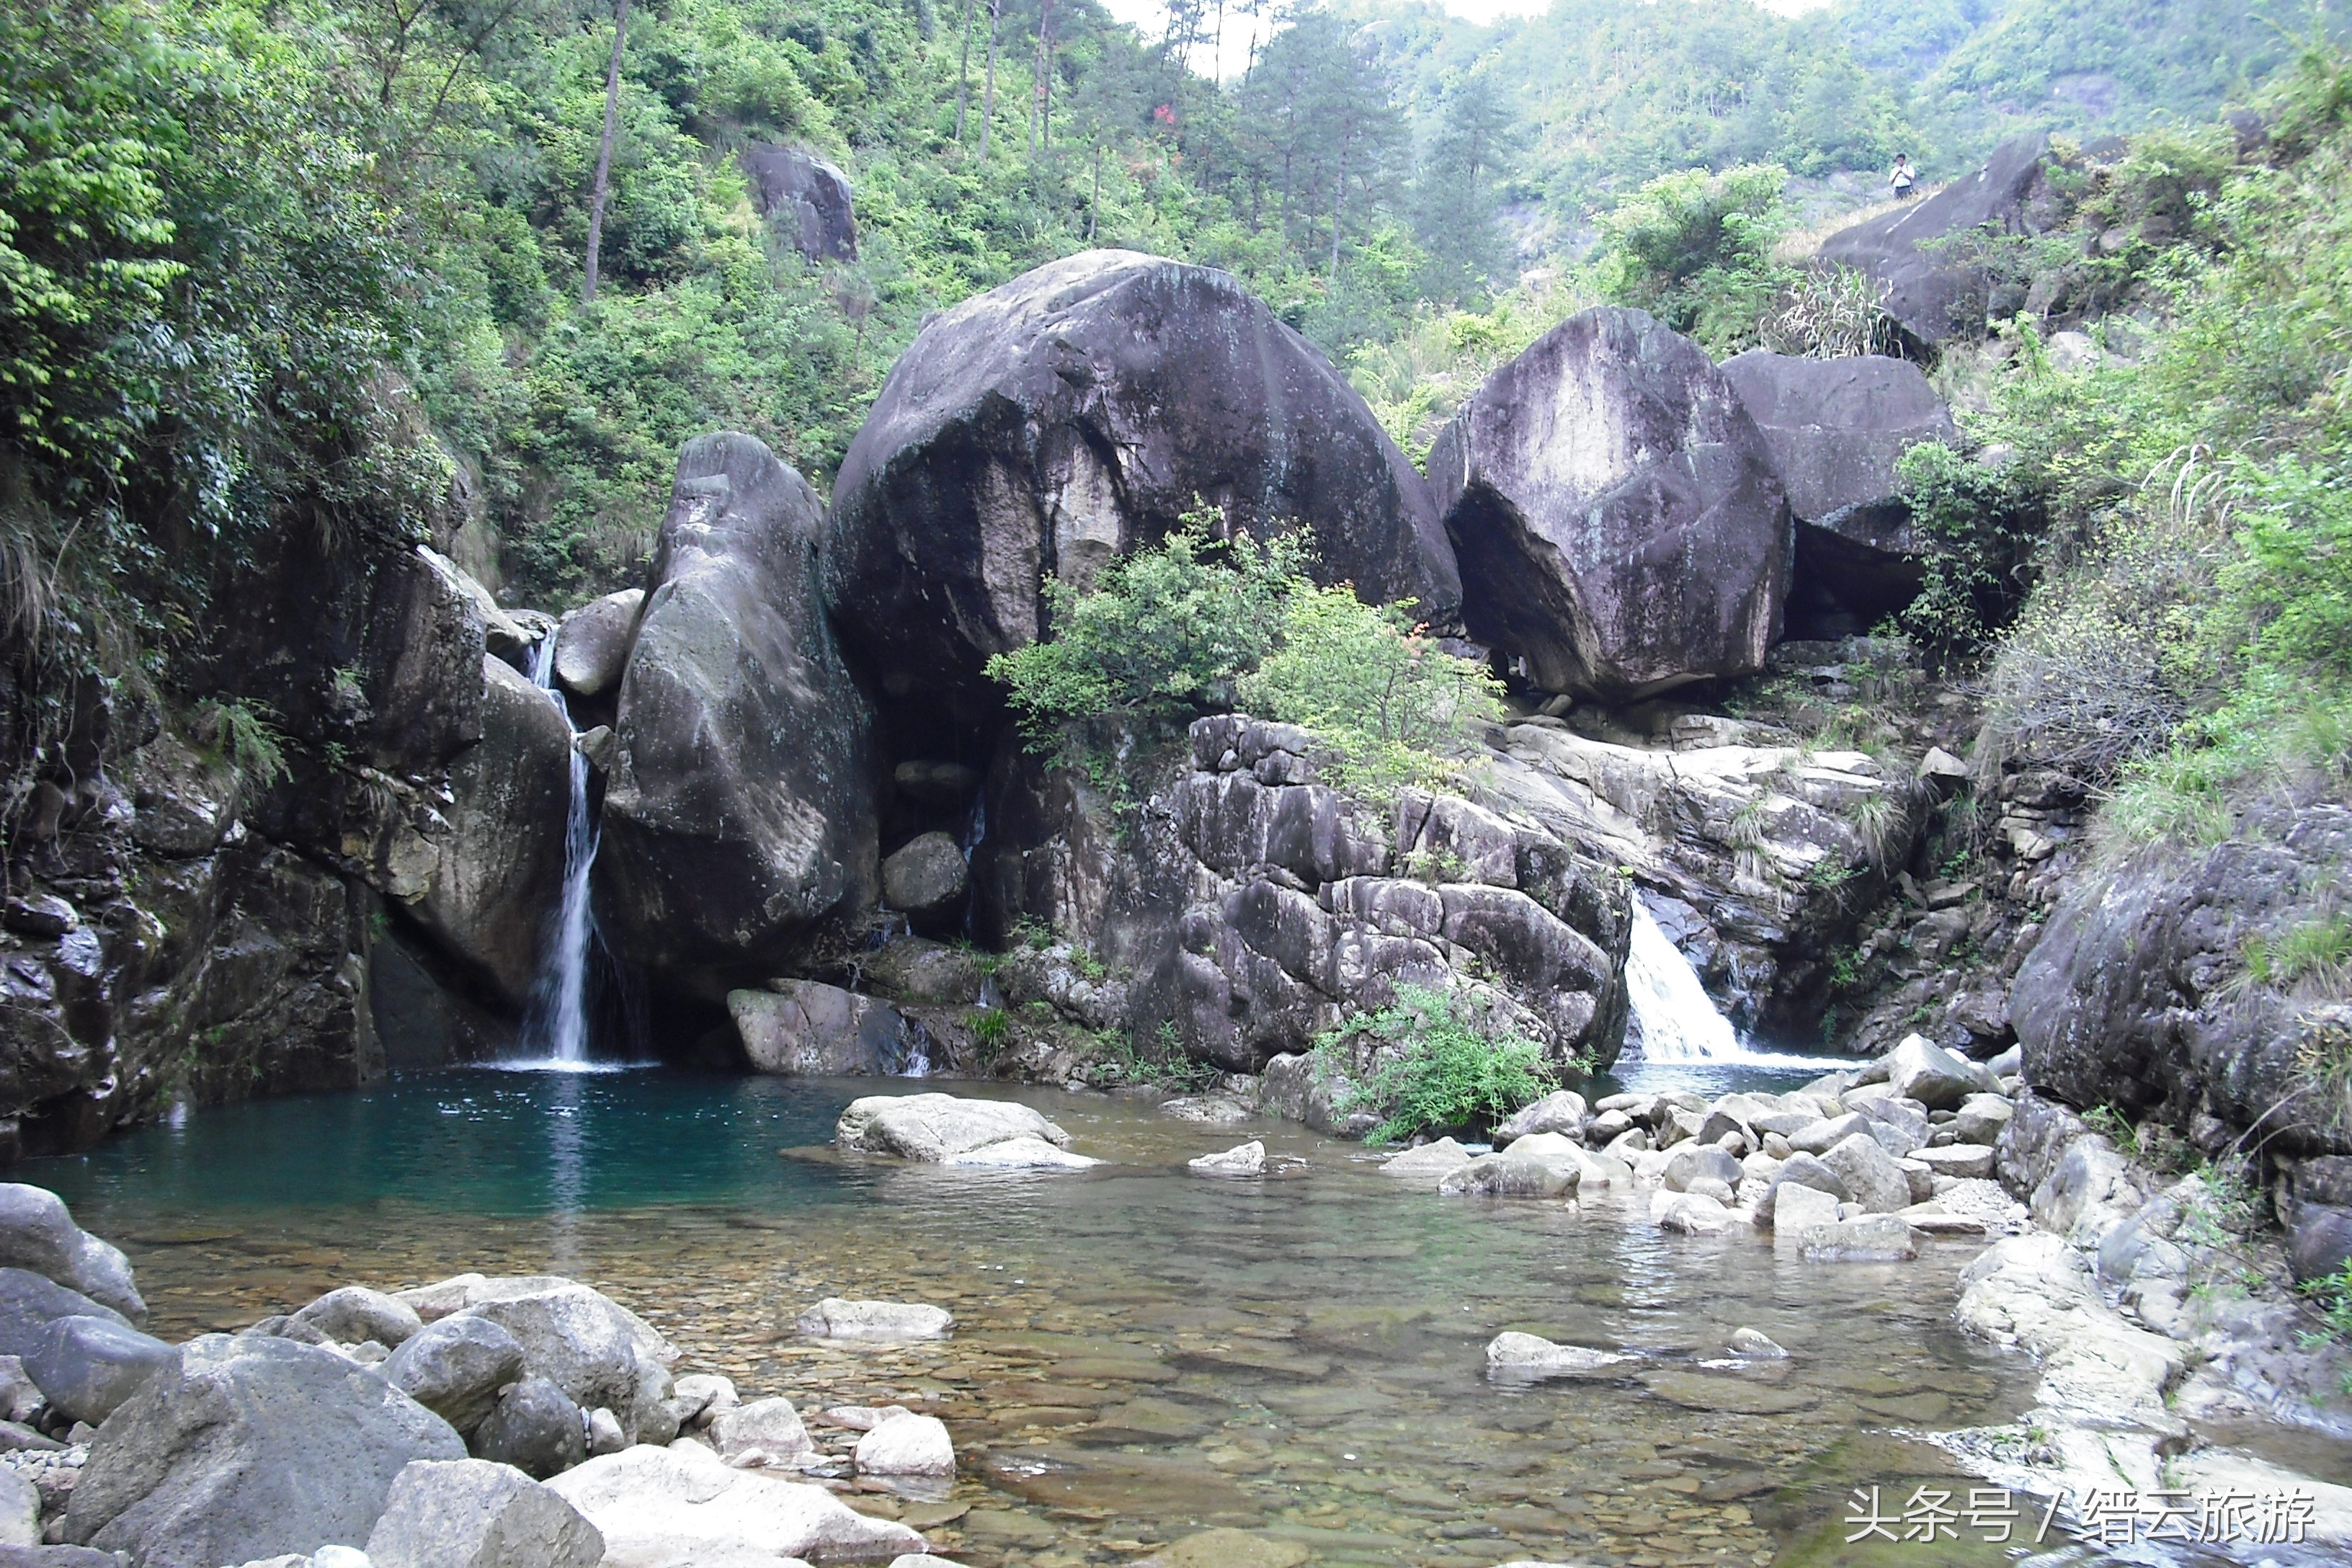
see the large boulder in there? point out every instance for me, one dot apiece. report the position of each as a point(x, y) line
point(455, 1367)
point(86, 1367)
point(1619, 525)
point(1935, 291)
point(592, 645)
point(805, 199)
point(249, 1447)
point(1076, 413)
point(739, 814)
point(590, 1346)
point(535, 1427)
point(805, 1027)
point(468, 1513)
point(31, 1303)
point(926, 878)
point(38, 1233)
point(1834, 429)
point(675, 1505)
point(943, 1130)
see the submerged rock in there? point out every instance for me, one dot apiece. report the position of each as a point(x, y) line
point(244, 1447)
point(836, 1319)
point(1529, 1355)
point(1429, 1164)
point(738, 816)
point(1242, 1160)
point(1618, 522)
point(1511, 1175)
point(1075, 413)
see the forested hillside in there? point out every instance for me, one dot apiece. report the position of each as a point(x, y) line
point(264, 263)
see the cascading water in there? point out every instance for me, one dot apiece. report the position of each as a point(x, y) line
point(555, 1029)
point(1679, 1021)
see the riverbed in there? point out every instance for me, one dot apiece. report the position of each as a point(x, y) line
point(1140, 1353)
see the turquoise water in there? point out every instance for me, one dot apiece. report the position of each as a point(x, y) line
point(1139, 1354)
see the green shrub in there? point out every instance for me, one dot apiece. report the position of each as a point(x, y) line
point(1394, 707)
point(1163, 634)
point(245, 736)
point(1976, 526)
point(1695, 249)
point(1438, 1062)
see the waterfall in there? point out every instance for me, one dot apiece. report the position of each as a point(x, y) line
point(1679, 1021)
point(555, 1029)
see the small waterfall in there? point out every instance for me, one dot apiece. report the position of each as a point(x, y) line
point(555, 1029)
point(1679, 1021)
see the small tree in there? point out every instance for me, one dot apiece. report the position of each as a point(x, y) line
point(1695, 249)
point(1394, 707)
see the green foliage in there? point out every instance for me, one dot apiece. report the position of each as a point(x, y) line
point(1695, 249)
point(2330, 1297)
point(1977, 528)
point(993, 1028)
point(2316, 954)
point(1437, 1063)
point(1162, 634)
point(1118, 1060)
point(245, 736)
point(1394, 707)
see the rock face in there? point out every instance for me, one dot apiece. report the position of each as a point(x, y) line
point(1074, 414)
point(592, 646)
point(249, 1447)
point(739, 815)
point(1936, 294)
point(1616, 515)
point(807, 198)
point(2129, 997)
point(1834, 429)
point(926, 879)
point(498, 870)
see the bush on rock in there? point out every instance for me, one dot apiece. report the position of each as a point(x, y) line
point(1434, 1061)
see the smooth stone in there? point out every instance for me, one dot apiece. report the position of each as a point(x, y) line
point(1755, 1342)
point(1508, 1176)
point(1561, 1111)
point(1922, 1070)
point(1427, 1165)
point(906, 1445)
point(669, 1507)
point(604, 1436)
point(1801, 1209)
point(1981, 1118)
point(31, 1303)
point(1242, 1160)
point(589, 1345)
point(1215, 1109)
point(38, 1233)
point(355, 1313)
point(1687, 1164)
point(454, 1368)
point(1693, 1214)
point(1515, 1354)
point(1964, 1161)
point(1874, 1238)
point(87, 1367)
point(702, 1395)
point(437, 1300)
point(1021, 1153)
point(933, 1128)
point(1869, 1174)
point(536, 1428)
point(1819, 1137)
point(470, 1513)
point(836, 1319)
point(1149, 1420)
point(772, 1427)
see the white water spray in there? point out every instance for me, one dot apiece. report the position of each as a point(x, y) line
point(1679, 1020)
point(555, 1029)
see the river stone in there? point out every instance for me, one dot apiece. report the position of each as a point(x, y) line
point(1021, 1154)
point(703, 1396)
point(1819, 1137)
point(663, 1505)
point(1922, 1070)
point(1558, 1149)
point(1531, 1355)
point(244, 1447)
point(1615, 514)
point(454, 1368)
point(925, 880)
point(1561, 1111)
point(1757, 1344)
point(1228, 1547)
point(933, 1128)
point(30, 1302)
point(1242, 1160)
point(1509, 1176)
point(589, 1345)
point(20, 1511)
point(1835, 429)
point(435, 1302)
point(1699, 1391)
point(85, 1367)
point(808, 1028)
point(739, 815)
point(592, 644)
point(1075, 413)
point(772, 1427)
point(468, 1513)
point(1981, 1118)
point(1869, 1174)
point(1428, 1164)
point(1933, 290)
point(536, 1428)
point(1693, 1214)
point(907, 1445)
point(1963, 1159)
point(1796, 1210)
point(38, 1233)
point(1874, 1238)
point(1687, 1164)
point(498, 869)
point(1804, 1171)
point(836, 1319)
point(355, 1314)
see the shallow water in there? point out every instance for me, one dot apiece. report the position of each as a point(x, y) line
point(1140, 1353)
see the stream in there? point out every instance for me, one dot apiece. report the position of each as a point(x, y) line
point(1140, 1353)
